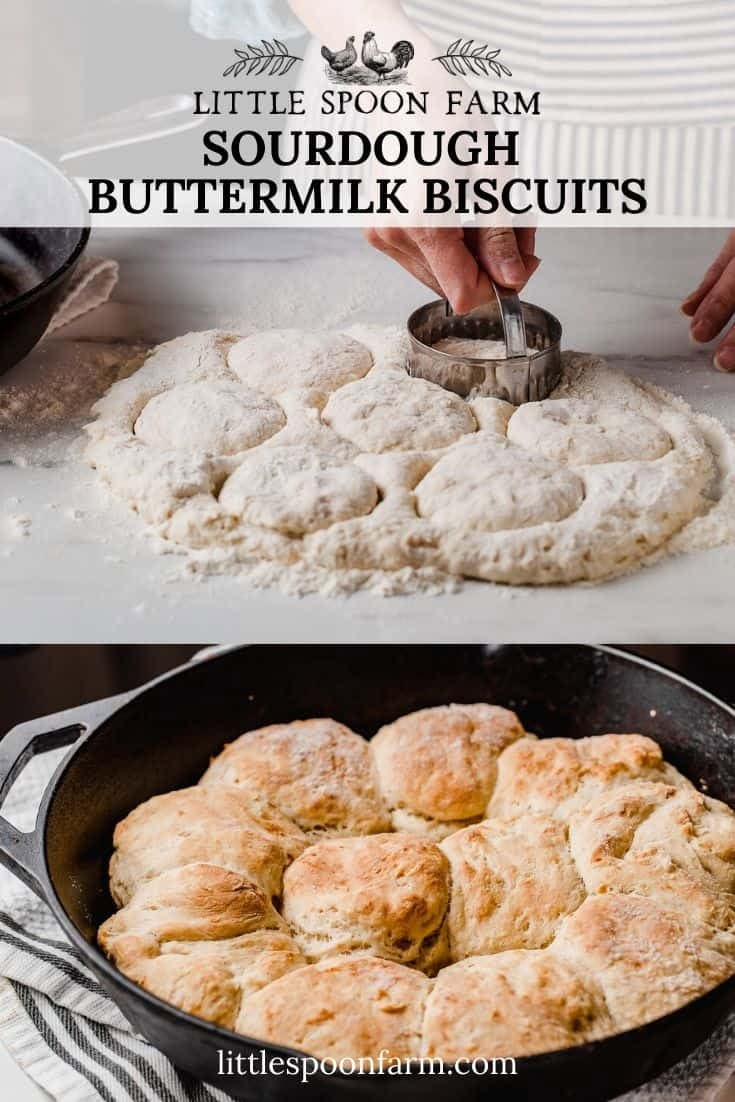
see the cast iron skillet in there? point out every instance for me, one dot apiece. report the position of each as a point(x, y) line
point(38, 258)
point(51, 254)
point(161, 737)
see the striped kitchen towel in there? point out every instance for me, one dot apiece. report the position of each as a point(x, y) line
point(71, 1039)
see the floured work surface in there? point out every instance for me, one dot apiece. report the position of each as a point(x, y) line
point(313, 461)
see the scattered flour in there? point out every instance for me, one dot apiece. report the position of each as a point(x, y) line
point(19, 525)
point(367, 479)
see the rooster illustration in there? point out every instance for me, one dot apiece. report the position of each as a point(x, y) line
point(341, 60)
point(384, 62)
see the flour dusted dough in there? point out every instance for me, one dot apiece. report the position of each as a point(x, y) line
point(470, 349)
point(217, 419)
point(361, 475)
point(563, 430)
point(396, 413)
point(295, 490)
point(491, 487)
point(287, 359)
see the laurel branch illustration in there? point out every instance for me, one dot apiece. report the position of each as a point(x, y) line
point(268, 59)
point(462, 58)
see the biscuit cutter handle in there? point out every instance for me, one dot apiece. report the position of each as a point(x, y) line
point(514, 325)
point(22, 851)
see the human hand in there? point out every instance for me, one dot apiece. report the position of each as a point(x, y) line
point(458, 264)
point(712, 306)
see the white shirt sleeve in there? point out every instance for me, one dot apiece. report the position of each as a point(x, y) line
point(244, 19)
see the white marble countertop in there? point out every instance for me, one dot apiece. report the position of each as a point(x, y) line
point(86, 572)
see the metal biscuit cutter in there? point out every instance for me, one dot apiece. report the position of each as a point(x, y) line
point(522, 376)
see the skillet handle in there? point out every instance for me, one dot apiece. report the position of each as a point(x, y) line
point(22, 852)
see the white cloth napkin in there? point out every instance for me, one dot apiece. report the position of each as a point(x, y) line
point(72, 1040)
point(93, 282)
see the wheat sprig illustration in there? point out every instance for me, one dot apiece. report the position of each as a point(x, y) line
point(462, 58)
point(267, 59)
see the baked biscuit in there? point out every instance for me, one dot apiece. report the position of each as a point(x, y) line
point(648, 959)
point(194, 903)
point(673, 845)
point(385, 894)
point(214, 824)
point(513, 880)
point(512, 1004)
point(558, 776)
point(437, 767)
point(211, 978)
point(352, 1008)
point(315, 771)
point(599, 895)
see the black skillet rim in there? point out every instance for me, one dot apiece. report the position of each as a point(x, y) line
point(84, 234)
point(49, 282)
point(225, 1037)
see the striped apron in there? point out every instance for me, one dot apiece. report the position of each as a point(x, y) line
point(628, 89)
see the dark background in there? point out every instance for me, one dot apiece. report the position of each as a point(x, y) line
point(37, 681)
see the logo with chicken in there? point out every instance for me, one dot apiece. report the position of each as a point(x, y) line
point(373, 66)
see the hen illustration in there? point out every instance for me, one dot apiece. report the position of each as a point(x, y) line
point(340, 60)
point(384, 62)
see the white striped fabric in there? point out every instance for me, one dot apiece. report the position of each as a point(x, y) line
point(628, 88)
point(64, 1031)
point(661, 62)
point(689, 170)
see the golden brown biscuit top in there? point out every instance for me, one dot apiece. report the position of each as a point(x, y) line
point(584, 885)
point(441, 763)
point(556, 776)
point(317, 772)
point(513, 880)
point(218, 824)
point(512, 1003)
point(344, 1008)
point(385, 893)
point(649, 959)
point(674, 845)
point(191, 903)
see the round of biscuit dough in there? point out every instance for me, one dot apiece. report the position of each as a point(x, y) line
point(296, 490)
point(386, 894)
point(486, 487)
point(396, 413)
point(293, 359)
point(574, 432)
point(214, 418)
